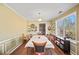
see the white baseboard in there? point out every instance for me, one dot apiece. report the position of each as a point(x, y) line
point(13, 49)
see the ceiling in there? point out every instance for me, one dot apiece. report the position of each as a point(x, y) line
point(47, 10)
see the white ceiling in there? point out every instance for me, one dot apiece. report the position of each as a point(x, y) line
point(47, 10)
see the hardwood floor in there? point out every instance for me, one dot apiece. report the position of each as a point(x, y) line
point(23, 51)
point(20, 50)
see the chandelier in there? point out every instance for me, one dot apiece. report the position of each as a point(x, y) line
point(39, 19)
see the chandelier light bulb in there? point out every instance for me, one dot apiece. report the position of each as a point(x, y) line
point(40, 19)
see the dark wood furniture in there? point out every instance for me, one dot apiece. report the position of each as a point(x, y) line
point(63, 44)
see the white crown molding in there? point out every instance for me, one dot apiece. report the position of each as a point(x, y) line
point(15, 11)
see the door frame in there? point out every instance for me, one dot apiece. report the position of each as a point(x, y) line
point(45, 27)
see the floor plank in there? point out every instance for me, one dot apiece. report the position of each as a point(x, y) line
point(23, 51)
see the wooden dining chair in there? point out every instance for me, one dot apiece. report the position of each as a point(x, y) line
point(39, 48)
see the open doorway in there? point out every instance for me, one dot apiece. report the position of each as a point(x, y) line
point(42, 29)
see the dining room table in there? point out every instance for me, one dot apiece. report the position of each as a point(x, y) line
point(40, 39)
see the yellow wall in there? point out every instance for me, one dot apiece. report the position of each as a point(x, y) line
point(11, 25)
point(36, 24)
point(53, 27)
